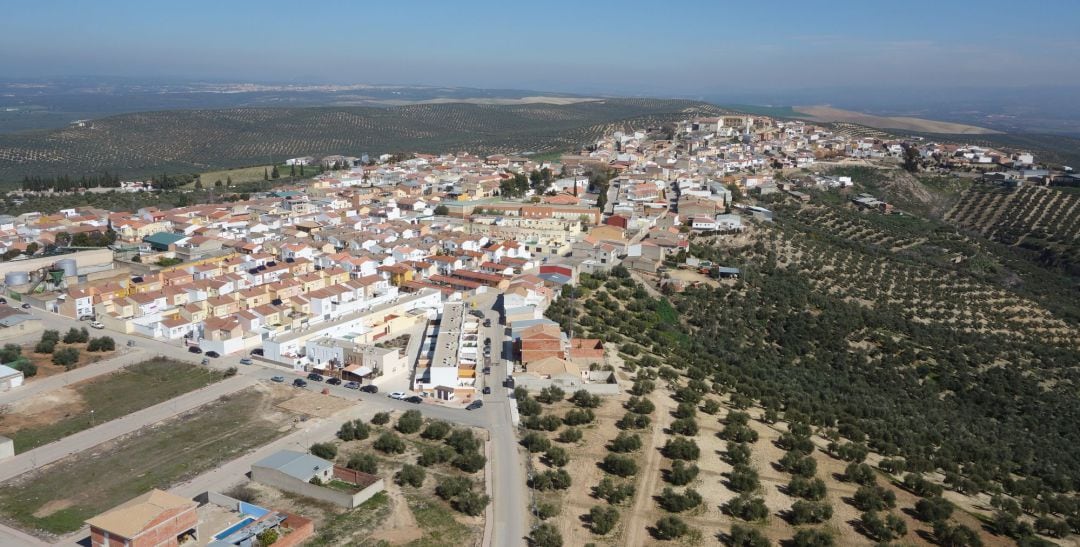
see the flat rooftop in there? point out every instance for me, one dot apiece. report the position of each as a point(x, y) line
point(446, 345)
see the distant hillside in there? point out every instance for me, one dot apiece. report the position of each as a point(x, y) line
point(829, 114)
point(198, 140)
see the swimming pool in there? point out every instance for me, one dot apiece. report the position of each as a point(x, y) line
point(234, 528)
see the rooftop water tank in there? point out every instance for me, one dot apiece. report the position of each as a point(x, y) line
point(14, 279)
point(70, 267)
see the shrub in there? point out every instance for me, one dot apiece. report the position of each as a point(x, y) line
point(570, 435)
point(535, 442)
point(546, 422)
point(529, 407)
point(105, 343)
point(66, 357)
point(556, 456)
point(860, 473)
point(545, 535)
point(743, 479)
point(45, 346)
point(602, 519)
point(584, 399)
point(669, 528)
point(412, 475)
point(463, 440)
point(1052, 527)
point(546, 510)
point(682, 474)
point(381, 418)
point(739, 433)
point(53, 335)
point(809, 512)
point(710, 406)
point(579, 416)
point(326, 451)
point(812, 537)
point(745, 536)
point(364, 462)
point(432, 455)
point(451, 487)
point(893, 466)
point(470, 462)
point(737, 453)
point(685, 426)
point(882, 529)
point(76, 336)
point(389, 443)
point(267, 538)
point(642, 387)
point(685, 410)
point(410, 422)
point(949, 535)
point(873, 498)
point(620, 465)
point(633, 420)
point(613, 493)
point(640, 405)
point(921, 487)
point(625, 442)
point(851, 452)
point(674, 502)
point(26, 366)
point(933, 509)
point(807, 489)
point(552, 394)
point(747, 508)
point(471, 503)
point(681, 448)
point(435, 430)
point(552, 479)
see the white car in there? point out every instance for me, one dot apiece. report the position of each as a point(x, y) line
point(97, 325)
point(397, 395)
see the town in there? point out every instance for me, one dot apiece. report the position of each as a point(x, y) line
point(413, 285)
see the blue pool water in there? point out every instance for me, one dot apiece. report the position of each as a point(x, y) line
point(238, 526)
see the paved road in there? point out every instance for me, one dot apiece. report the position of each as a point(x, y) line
point(89, 438)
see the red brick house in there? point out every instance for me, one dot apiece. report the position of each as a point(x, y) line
point(154, 519)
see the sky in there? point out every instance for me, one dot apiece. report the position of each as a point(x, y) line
point(669, 47)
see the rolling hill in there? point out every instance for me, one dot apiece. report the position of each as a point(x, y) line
point(197, 140)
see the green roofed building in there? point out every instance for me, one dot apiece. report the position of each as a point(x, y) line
point(161, 241)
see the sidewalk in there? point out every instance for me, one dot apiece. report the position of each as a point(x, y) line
point(114, 363)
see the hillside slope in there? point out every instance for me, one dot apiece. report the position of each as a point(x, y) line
point(197, 140)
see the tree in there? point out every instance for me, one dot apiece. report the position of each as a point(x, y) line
point(579, 416)
point(958, 535)
point(442, 210)
point(410, 422)
point(545, 535)
point(602, 519)
point(45, 335)
point(612, 492)
point(462, 441)
point(551, 394)
point(545, 510)
point(389, 443)
point(745, 536)
point(326, 451)
point(809, 489)
point(470, 462)
point(675, 502)
point(622, 466)
point(45, 346)
point(556, 456)
point(355, 430)
point(625, 442)
point(363, 462)
point(813, 537)
point(471, 503)
point(76, 336)
point(104, 343)
point(682, 474)
point(451, 487)
point(934, 509)
point(809, 512)
point(911, 158)
point(743, 478)
point(26, 366)
point(882, 529)
point(671, 527)
point(267, 537)
point(66, 357)
point(584, 399)
point(873, 498)
point(685, 426)
point(274, 174)
point(434, 431)
point(381, 418)
point(569, 435)
point(681, 448)
point(32, 248)
point(860, 473)
point(747, 508)
point(535, 442)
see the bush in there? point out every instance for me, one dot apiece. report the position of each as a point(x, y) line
point(45, 346)
point(431, 455)
point(471, 503)
point(545, 535)
point(682, 474)
point(584, 399)
point(685, 410)
point(452, 487)
point(642, 387)
point(737, 453)
point(354, 430)
point(933, 509)
point(529, 407)
point(674, 502)
point(552, 479)
point(410, 422)
point(632, 420)
point(739, 433)
point(882, 529)
point(798, 464)
point(412, 475)
point(547, 422)
point(470, 462)
point(745, 536)
point(570, 435)
point(812, 537)
point(921, 487)
point(381, 418)
point(807, 489)
point(747, 508)
point(546, 510)
point(462, 441)
point(602, 519)
point(949, 535)
point(535, 442)
point(364, 462)
point(681, 448)
point(26, 366)
point(389, 443)
point(710, 406)
point(556, 456)
point(66, 357)
point(860, 473)
point(53, 335)
point(893, 466)
point(105, 343)
point(613, 493)
point(850, 452)
point(435, 430)
point(685, 426)
point(76, 336)
point(669, 528)
point(266, 538)
point(873, 498)
point(743, 479)
point(809, 512)
point(550, 395)
point(326, 451)
point(625, 442)
point(640, 405)
point(623, 466)
point(579, 416)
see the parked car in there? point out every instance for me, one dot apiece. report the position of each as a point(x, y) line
point(487, 370)
point(213, 354)
point(415, 399)
point(299, 382)
point(352, 385)
point(475, 405)
point(315, 377)
point(397, 395)
point(257, 351)
point(194, 349)
point(83, 318)
point(370, 388)
point(487, 322)
point(97, 325)
point(487, 341)
point(486, 390)
point(476, 313)
point(278, 379)
point(334, 381)
point(25, 306)
point(245, 361)
point(3, 300)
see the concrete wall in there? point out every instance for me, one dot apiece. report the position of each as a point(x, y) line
point(281, 481)
point(25, 327)
point(535, 384)
point(7, 448)
point(95, 257)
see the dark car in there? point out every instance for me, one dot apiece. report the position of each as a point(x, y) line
point(213, 354)
point(257, 351)
point(299, 382)
point(415, 399)
point(475, 405)
point(352, 385)
point(487, 322)
point(487, 341)
point(486, 390)
point(370, 388)
point(195, 349)
point(476, 313)
point(487, 370)
point(315, 377)
point(334, 381)
point(25, 306)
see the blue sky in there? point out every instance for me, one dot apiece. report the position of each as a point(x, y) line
point(630, 47)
